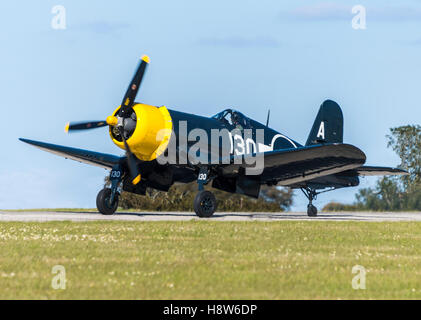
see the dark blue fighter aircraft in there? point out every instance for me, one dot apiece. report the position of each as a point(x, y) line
point(160, 151)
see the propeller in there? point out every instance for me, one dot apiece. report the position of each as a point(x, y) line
point(120, 121)
point(128, 100)
point(74, 126)
point(131, 159)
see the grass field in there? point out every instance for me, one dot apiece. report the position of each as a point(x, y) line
point(210, 260)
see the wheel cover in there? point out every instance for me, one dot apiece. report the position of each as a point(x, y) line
point(207, 204)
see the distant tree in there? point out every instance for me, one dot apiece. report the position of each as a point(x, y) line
point(336, 206)
point(387, 195)
point(399, 192)
point(406, 142)
point(283, 197)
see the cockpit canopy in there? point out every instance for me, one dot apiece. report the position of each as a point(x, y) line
point(233, 118)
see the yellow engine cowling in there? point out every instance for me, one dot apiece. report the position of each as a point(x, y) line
point(152, 133)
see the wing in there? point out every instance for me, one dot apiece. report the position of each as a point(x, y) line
point(290, 166)
point(103, 160)
point(378, 171)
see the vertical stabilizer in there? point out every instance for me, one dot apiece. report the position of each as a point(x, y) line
point(328, 126)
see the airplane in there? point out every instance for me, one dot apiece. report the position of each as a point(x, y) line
point(149, 134)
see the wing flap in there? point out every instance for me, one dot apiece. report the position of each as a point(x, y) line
point(103, 160)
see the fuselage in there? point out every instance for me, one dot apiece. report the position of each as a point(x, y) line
point(181, 138)
point(157, 127)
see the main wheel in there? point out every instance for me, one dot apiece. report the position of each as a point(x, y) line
point(103, 202)
point(311, 211)
point(204, 204)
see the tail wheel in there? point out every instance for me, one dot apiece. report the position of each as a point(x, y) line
point(311, 211)
point(205, 204)
point(103, 202)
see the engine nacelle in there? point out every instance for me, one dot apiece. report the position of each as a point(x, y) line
point(151, 134)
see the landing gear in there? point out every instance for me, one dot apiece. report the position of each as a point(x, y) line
point(105, 204)
point(311, 195)
point(107, 198)
point(204, 203)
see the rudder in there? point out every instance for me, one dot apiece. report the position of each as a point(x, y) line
point(328, 126)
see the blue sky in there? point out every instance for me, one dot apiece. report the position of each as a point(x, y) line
point(288, 56)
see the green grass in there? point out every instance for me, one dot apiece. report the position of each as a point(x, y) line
point(210, 260)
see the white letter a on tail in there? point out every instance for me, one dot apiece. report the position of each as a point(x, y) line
point(321, 132)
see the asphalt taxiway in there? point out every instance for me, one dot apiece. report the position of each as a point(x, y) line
point(219, 216)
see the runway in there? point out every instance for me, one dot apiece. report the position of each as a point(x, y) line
point(28, 216)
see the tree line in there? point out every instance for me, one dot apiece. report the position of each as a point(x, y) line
point(180, 198)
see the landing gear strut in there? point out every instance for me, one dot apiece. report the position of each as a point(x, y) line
point(107, 198)
point(205, 202)
point(311, 195)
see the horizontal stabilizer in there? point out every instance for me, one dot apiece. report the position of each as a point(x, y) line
point(379, 171)
point(102, 160)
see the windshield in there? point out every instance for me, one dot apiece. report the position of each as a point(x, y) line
point(232, 118)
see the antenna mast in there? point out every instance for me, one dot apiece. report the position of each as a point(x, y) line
point(267, 120)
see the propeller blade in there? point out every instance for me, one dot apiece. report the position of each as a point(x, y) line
point(75, 126)
point(131, 160)
point(133, 88)
point(134, 173)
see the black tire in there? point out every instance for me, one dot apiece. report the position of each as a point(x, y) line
point(103, 204)
point(311, 211)
point(204, 204)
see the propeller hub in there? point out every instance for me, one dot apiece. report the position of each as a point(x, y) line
point(112, 120)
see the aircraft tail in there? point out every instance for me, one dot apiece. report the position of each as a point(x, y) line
point(328, 126)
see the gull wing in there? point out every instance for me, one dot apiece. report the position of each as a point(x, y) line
point(103, 160)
